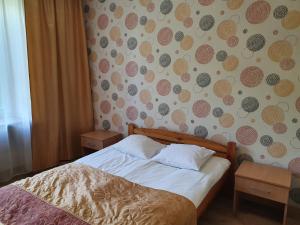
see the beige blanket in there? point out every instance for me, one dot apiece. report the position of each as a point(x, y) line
point(97, 197)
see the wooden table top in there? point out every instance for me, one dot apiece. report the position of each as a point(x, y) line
point(101, 134)
point(265, 173)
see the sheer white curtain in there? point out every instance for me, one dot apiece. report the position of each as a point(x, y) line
point(15, 108)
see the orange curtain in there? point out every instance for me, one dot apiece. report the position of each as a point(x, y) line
point(59, 80)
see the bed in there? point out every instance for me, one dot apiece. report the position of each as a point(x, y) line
point(227, 152)
point(110, 187)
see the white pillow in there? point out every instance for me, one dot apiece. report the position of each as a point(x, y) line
point(184, 156)
point(139, 145)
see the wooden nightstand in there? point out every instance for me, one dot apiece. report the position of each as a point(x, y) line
point(263, 181)
point(96, 140)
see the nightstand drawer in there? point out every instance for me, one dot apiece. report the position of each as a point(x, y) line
point(91, 143)
point(260, 189)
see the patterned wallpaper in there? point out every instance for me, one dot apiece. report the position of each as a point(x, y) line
point(224, 70)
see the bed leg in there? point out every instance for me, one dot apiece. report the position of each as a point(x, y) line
point(235, 202)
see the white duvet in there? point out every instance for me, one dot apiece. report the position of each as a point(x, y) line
point(191, 184)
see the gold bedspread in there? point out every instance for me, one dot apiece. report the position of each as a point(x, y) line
point(97, 197)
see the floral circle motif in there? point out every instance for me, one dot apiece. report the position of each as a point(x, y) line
point(178, 117)
point(291, 20)
point(165, 60)
point(164, 36)
point(180, 66)
point(132, 113)
point(201, 108)
point(179, 36)
point(113, 53)
point(163, 87)
point(132, 89)
point(201, 131)
point(258, 12)
point(266, 140)
point(246, 135)
point(143, 115)
point(203, 79)
point(250, 104)
point(226, 120)
point(222, 88)
point(279, 50)
point(105, 107)
point(143, 70)
point(287, 64)
point(284, 88)
point(112, 7)
point(204, 54)
point(232, 41)
point(166, 7)
point(280, 12)
point(228, 100)
point(106, 125)
point(272, 79)
point(279, 128)
point(251, 76)
point(105, 85)
point(132, 43)
point(272, 114)
point(103, 21)
point(206, 22)
point(104, 65)
point(218, 112)
point(177, 89)
point(104, 42)
point(143, 20)
point(163, 109)
point(226, 29)
point(131, 21)
point(221, 55)
point(256, 42)
point(277, 150)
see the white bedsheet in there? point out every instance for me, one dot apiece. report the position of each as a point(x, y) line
point(193, 185)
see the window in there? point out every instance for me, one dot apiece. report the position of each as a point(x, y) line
point(1, 111)
point(14, 80)
point(15, 107)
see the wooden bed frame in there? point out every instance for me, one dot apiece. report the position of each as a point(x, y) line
point(227, 152)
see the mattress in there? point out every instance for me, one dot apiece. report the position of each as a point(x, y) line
point(194, 185)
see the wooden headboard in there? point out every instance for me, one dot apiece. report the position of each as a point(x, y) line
point(167, 137)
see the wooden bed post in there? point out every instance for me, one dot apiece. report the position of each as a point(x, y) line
point(231, 156)
point(231, 146)
point(131, 128)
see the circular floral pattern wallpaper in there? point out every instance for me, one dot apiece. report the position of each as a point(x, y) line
point(224, 70)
